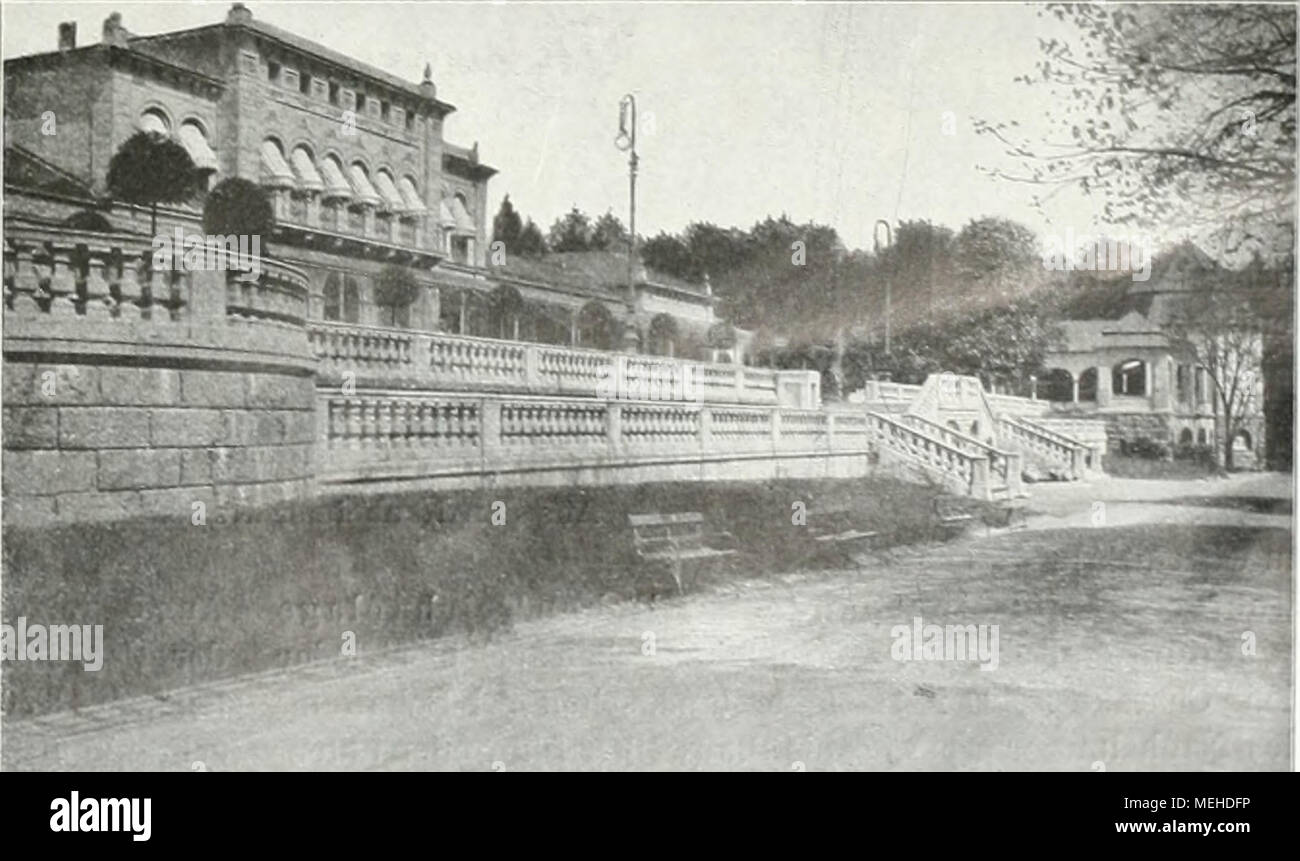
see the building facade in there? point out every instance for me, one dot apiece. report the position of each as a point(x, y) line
point(359, 172)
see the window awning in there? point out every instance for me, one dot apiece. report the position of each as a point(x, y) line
point(197, 146)
point(445, 218)
point(152, 123)
point(388, 191)
point(275, 172)
point(335, 185)
point(464, 223)
point(414, 206)
point(363, 191)
point(308, 178)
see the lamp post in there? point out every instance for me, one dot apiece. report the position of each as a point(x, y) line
point(889, 241)
point(626, 140)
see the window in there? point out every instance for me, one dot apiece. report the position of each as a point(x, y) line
point(273, 72)
point(334, 92)
point(385, 111)
point(460, 249)
point(304, 83)
point(361, 102)
point(333, 296)
point(351, 300)
point(155, 122)
point(410, 121)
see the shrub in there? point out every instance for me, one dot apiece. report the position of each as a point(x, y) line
point(238, 207)
point(1147, 448)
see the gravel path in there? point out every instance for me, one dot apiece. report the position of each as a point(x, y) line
point(1119, 647)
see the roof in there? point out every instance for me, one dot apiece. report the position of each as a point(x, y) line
point(243, 19)
point(594, 270)
point(25, 169)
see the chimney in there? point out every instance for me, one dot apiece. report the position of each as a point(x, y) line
point(114, 32)
point(239, 14)
point(67, 35)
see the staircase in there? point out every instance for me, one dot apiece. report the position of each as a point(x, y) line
point(948, 433)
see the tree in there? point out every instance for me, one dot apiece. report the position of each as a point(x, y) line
point(609, 233)
point(507, 225)
point(531, 243)
point(1176, 113)
point(571, 232)
point(1220, 328)
point(150, 169)
point(239, 207)
point(668, 254)
point(999, 257)
point(396, 289)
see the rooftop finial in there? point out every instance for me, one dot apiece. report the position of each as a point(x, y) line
point(239, 14)
point(428, 72)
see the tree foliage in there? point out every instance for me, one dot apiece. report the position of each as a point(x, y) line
point(240, 207)
point(149, 169)
point(1176, 113)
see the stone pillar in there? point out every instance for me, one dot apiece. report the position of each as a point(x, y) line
point(1103, 386)
point(614, 426)
point(1074, 389)
point(706, 429)
point(1148, 379)
point(979, 485)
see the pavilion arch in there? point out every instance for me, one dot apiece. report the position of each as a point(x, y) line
point(596, 327)
point(1056, 385)
point(1128, 377)
point(1088, 385)
point(1242, 441)
point(1202, 437)
point(663, 334)
point(1185, 438)
point(155, 119)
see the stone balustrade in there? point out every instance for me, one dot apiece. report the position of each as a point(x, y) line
point(402, 358)
point(376, 435)
point(958, 470)
point(1049, 449)
point(1004, 466)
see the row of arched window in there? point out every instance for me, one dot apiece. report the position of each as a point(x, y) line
point(333, 180)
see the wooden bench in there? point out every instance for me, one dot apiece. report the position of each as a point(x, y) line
point(952, 514)
point(677, 538)
point(1007, 515)
point(837, 531)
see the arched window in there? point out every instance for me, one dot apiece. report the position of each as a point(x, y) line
point(333, 296)
point(351, 300)
point(275, 170)
point(1201, 436)
point(304, 167)
point(195, 140)
point(1185, 438)
point(155, 122)
point(663, 335)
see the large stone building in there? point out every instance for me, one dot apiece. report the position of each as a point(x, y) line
point(359, 171)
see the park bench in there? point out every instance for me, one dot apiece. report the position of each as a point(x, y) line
point(676, 538)
point(837, 532)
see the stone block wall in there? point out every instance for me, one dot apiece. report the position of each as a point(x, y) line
point(95, 441)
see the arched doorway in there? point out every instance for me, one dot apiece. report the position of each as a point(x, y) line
point(596, 327)
point(1088, 385)
point(663, 335)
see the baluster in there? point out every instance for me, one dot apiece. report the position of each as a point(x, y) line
point(355, 409)
point(99, 302)
point(128, 290)
point(26, 280)
point(63, 284)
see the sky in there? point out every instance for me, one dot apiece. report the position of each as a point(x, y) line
point(835, 113)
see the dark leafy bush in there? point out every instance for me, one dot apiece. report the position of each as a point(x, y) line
point(1147, 448)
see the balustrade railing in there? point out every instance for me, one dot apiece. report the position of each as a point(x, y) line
point(59, 273)
point(406, 433)
point(383, 357)
point(1057, 450)
point(1004, 466)
point(960, 469)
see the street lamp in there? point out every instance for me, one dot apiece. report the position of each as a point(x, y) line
point(889, 241)
point(626, 140)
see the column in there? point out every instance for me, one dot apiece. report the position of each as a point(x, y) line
point(1103, 386)
point(1074, 389)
